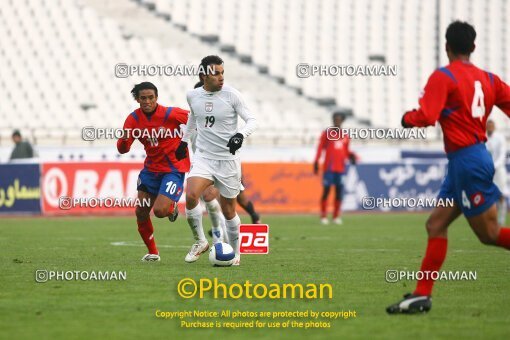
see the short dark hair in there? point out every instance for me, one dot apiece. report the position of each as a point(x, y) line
point(461, 36)
point(143, 86)
point(16, 133)
point(199, 84)
point(339, 114)
point(207, 61)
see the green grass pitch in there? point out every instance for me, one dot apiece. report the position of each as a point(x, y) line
point(353, 258)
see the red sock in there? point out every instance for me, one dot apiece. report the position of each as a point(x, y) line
point(336, 208)
point(433, 260)
point(324, 203)
point(146, 231)
point(171, 209)
point(504, 238)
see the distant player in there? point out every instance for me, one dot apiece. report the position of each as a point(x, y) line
point(215, 109)
point(337, 153)
point(496, 144)
point(162, 177)
point(460, 96)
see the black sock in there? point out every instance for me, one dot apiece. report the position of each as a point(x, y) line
point(251, 210)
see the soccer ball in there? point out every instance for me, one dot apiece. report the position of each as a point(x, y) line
point(221, 255)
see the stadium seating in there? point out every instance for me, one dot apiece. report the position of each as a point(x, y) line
point(58, 72)
point(281, 34)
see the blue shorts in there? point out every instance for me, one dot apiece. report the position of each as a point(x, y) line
point(169, 184)
point(332, 178)
point(469, 180)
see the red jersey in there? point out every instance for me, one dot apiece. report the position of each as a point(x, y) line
point(160, 135)
point(337, 152)
point(460, 96)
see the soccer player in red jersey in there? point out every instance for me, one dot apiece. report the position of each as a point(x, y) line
point(161, 180)
point(336, 147)
point(460, 96)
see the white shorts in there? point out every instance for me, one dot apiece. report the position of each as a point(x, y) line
point(500, 181)
point(226, 174)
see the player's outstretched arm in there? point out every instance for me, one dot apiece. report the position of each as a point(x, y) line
point(353, 158)
point(318, 154)
point(236, 141)
point(432, 102)
point(404, 123)
point(191, 126)
point(502, 95)
point(182, 117)
point(124, 143)
point(243, 111)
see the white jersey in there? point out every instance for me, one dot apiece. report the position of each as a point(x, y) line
point(214, 115)
point(496, 145)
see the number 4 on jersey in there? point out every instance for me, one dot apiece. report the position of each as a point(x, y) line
point(478, 106)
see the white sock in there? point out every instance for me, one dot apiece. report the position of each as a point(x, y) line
point(233, 232)
point(194, 217)
point(502, 212)
point(217, 218)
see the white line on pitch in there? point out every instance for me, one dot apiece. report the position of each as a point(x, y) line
point(136, 244)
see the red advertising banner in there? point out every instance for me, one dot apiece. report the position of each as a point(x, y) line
point(273, 187)
point(61, 183)
point(282, 187)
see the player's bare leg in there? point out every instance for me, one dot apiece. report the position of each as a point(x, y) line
point(337, 210)
point(145, 227)
point(437, 230)
point(487, 229)
point(324, 204)
point(219, 229)
point(228, 206)
point(485, 226)
point(196, 187)
point(165, 207)
point(247, 205)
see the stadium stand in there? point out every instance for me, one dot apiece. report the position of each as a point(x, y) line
point(348, 32)
point(56, 94)
point(51, 96)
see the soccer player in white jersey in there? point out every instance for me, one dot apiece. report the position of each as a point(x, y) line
point(214, 112)
point(218, 230)
point(496, 144)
